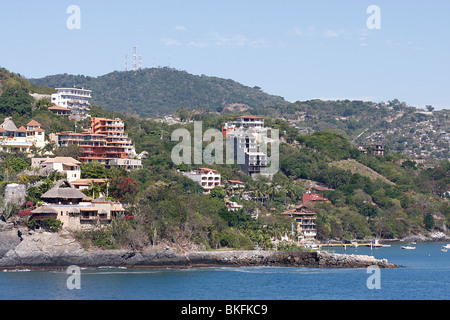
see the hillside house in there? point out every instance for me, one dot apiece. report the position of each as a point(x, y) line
point(65, 165)
point(13, 139)
point(207, 178)
point(305, 222)
point(313, 198)
point(74, 209)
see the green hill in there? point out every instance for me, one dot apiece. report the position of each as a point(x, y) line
point(394, 124)
point(10, 79)
point(355, 167)
point(156, 91)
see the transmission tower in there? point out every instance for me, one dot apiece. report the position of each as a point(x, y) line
point(134, 58)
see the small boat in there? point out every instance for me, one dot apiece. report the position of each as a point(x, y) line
point(444, 249)
point(408, 247)
point(447, 246)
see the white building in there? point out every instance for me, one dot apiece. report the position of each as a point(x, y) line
point(207, 178)
point(21, 139)
point(233, 206)
point(250, 122)
point(126, 163)
point(66, 165)
point(75, 99)
point(246, 135)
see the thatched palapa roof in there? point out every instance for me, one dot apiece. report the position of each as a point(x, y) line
point(63, 190)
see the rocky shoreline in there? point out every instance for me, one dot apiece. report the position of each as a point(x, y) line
point(42, 250)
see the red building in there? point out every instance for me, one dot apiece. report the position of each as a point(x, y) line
point(313, 198)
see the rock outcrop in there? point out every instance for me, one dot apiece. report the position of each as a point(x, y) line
point(50, 250)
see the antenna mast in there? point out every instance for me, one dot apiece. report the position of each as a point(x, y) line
point(135, 58)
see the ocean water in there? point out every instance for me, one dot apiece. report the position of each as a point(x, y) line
point(425, 275)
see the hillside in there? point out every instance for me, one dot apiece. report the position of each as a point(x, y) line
point(355, 167)
point(170, 208)
point(156, 91)
point(10, 79)
point(396, 125)
point(159, 91)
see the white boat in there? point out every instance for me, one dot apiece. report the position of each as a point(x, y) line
point(443, 249)
point(447, 246)
point(408, 247)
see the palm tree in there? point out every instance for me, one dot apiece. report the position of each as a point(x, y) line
point(95, 189)
point(272, 191)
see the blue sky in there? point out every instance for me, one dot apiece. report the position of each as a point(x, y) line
point(296, 49)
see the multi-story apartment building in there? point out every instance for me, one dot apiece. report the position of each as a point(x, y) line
point(305, 221)
point(245, 122)
point(75, 99)
point(245, 136)
point(93, 144)
point(106, 143)
point(118, 144)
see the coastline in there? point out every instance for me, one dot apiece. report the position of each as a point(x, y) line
point(43, 250)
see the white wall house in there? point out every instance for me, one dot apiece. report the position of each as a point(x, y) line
point(207, 178)
point(65, 165)
point(21, 139)
point(75, 99)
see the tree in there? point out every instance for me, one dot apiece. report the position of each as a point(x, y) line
point(428, 220)
point(368, 210)
point(93, 170)
point(217, 193)
point(16, 164)
point(16, 100)
point(123, 189)
point(183, 113)
point(72, 150)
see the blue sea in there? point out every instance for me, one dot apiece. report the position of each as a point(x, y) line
point(425, 275)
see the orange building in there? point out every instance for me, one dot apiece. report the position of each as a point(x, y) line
point(118, 145)
point(106, 143)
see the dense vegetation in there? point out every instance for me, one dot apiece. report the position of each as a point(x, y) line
point(151, 92)
point(394, 124)
point(155, 91)
point(163, 206)
point(171, 207)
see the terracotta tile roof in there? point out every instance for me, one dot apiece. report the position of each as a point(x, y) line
point(249, 117)
point(207, 169)
point(236, 181)
point(58, 108)
point(33, 123)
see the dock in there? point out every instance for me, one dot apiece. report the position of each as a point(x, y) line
point(377, 245)
point(345, 245)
